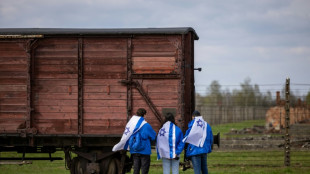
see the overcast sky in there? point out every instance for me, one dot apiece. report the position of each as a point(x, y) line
point(264, 40)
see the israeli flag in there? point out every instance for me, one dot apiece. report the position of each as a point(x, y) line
point(198, 133)
point(166, 141)
point(134, 125)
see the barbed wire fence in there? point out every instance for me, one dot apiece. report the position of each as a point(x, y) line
point(257, 126)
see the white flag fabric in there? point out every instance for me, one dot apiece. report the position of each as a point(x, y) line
point(166, 139)
point(198, 133)
point(134, 125)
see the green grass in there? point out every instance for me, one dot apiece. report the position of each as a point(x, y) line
point(245, 162)
point(225, 128)
point(219, 162)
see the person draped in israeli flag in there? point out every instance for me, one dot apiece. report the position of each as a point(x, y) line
point(197, 135)
point(200, 139)
point(169, 145)
point(134, 125)
point(137, 139)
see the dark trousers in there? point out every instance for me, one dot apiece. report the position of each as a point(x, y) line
point(141, 162)
point(200, 163)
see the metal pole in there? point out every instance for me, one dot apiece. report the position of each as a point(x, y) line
point(287, 145)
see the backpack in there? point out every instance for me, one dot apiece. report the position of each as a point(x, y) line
point(135, 142)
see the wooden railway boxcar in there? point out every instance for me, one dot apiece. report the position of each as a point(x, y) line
point(75, 89)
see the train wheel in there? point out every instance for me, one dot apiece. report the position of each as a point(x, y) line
point(114, 166)
point(78, 165)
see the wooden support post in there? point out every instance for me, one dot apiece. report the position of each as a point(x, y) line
point(80, 89)
point(287, 124)
point(129, 78)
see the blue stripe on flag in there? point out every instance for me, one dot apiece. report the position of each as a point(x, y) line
point(138, 124)
point(170, 140)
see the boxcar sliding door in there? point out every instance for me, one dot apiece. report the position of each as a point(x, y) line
point(55, 90)
point(105, 99)
point(76, 86)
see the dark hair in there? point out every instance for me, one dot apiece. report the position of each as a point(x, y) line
point(141, 112)
point(169, 117)
point(196, 113)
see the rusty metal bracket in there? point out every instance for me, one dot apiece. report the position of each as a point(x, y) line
point(147, 99)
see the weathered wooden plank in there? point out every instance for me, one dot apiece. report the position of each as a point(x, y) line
point(154, 47)
point(104, 68)
point(105, 96)
point(11, 81)
point(57, 41)
point(106, 47)
point(105, 89)
point(54, 116)
point(12, 60)
point(104, 54)
point(154, 54)
point(55, 89)
point(59, 109)
point(53, 96)
point(13, 74)
point(108, 123)
point(143, 70)
point(105, 41)
point(56, 54)
point(100, 82)
point(49, 102)
point(58, 47)
point(15, 53)
point(13, 68)
point(12, 116)
point(157, 96)
point(167, 88)
point(56, 82)
point(13, 94)
point(150, 114)
point(10, 46)
point(102, 103)
point(153, 65)
point(10, 125)
point(51, 75)
point(105, 115)
point(153, 59)
point(105, 76)
point(13, 108)
point(157, 103)
point(60, 126)
point(13, 88)
point(161, 82)
point(100, 109)
point(53, 61)
point(105, 61)
point(57, 68)
point(103, 130)
point(148, 41)
point(13, 101)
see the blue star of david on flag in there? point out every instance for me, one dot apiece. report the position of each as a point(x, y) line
point(162, 132)
point(126, 131)
point(199, 123)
